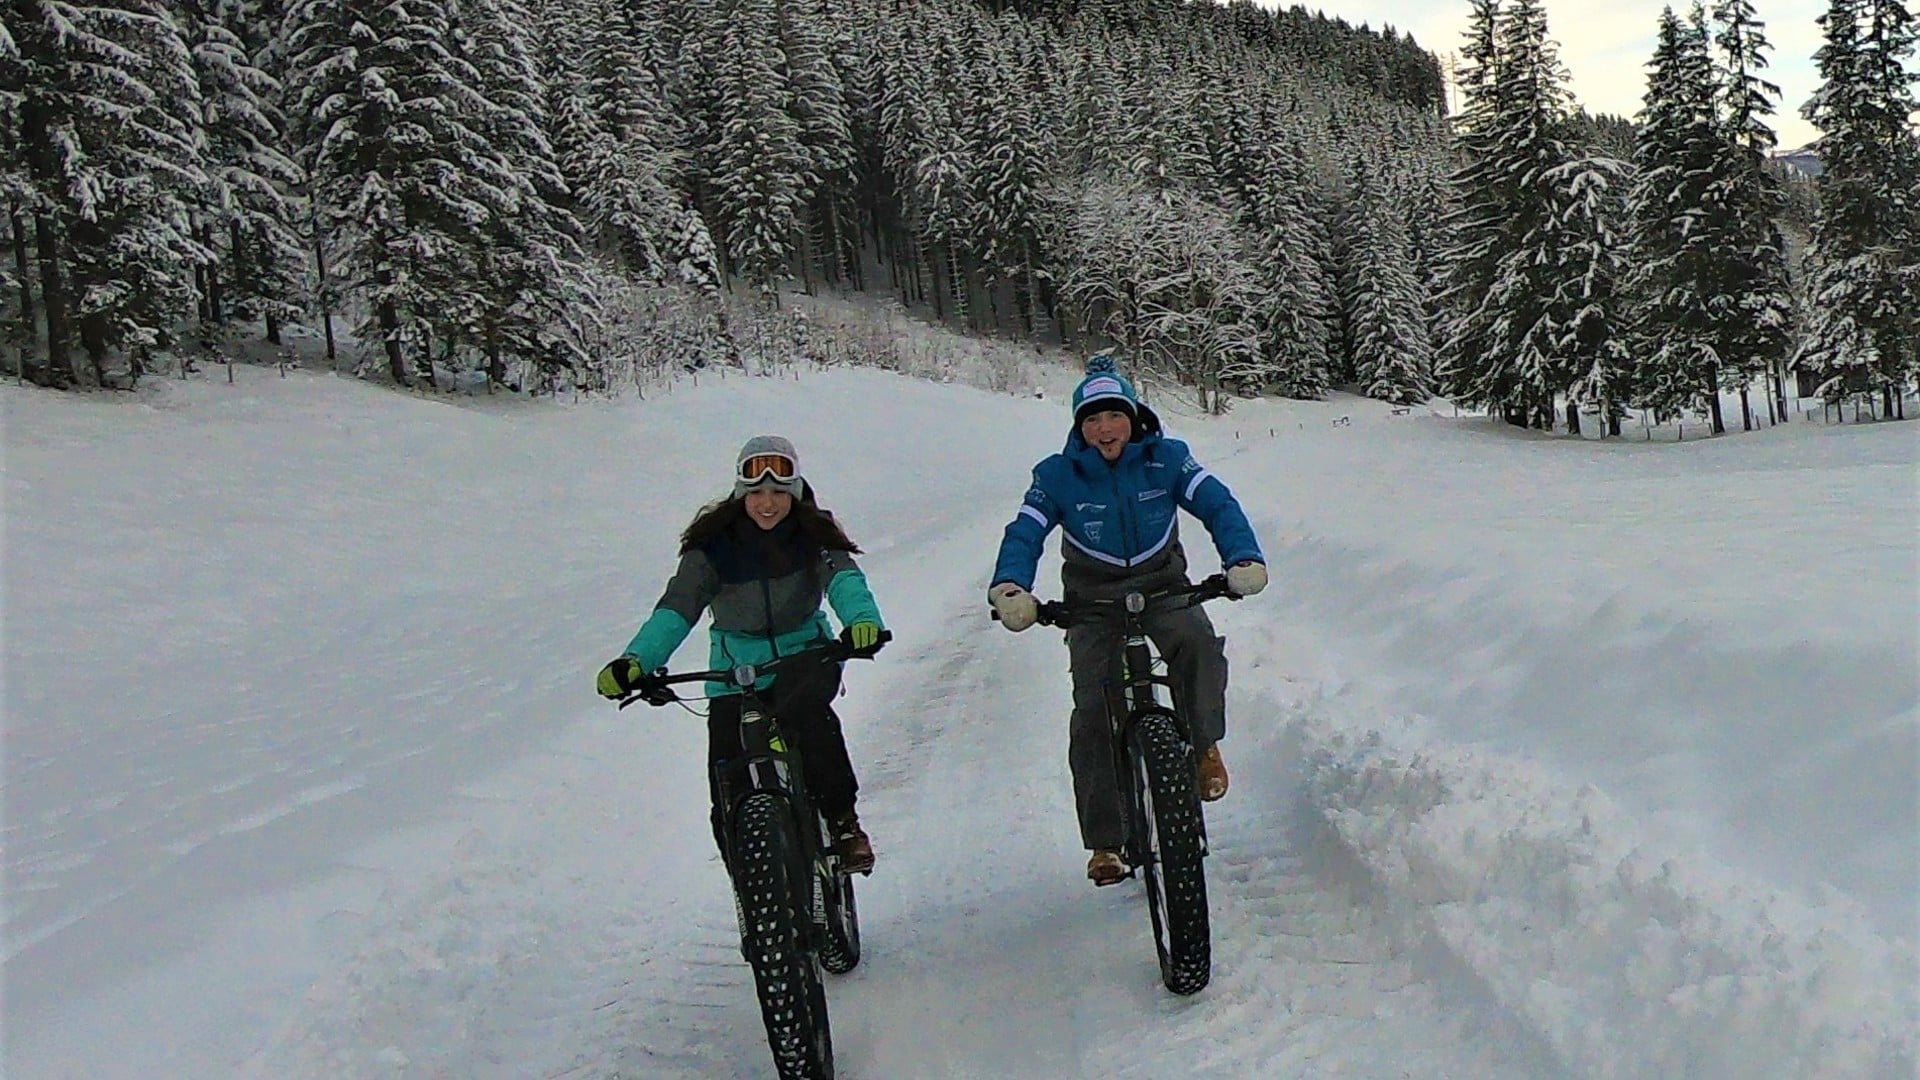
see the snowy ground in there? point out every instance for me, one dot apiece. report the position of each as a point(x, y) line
point(1550, 757)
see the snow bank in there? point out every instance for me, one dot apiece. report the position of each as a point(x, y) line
point(1624, 735)
point(1624, 963)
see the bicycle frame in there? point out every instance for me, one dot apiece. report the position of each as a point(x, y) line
point(1165, 828)
point(1133, 685)
point(768, 763)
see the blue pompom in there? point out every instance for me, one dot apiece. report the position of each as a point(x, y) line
point(1101, 364)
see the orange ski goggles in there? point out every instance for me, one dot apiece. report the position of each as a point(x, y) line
point(759, 467)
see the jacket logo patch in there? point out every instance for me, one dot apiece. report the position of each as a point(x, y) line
point(1153, 493)
point(1082, 508)
point(1092, 529)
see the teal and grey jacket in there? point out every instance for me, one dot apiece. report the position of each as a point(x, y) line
point(764, 590)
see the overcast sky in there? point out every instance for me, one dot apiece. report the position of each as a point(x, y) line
point(1606, 44)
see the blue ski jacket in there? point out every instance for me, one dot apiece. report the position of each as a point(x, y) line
point(1119, 520)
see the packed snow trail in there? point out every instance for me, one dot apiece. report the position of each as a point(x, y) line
point(986, 953)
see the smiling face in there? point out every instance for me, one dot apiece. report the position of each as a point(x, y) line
point(767, 507)
point(1107, 432)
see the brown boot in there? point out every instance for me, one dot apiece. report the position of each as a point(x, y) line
point(851, 844)
point(1106, 867)
point(1210, 774)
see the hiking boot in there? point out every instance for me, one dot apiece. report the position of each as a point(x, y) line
point(1106, 867)
point(1210, 774)
point(851, 844)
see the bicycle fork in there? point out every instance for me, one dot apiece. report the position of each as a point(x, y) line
point(772, 765)
point(1137, 699)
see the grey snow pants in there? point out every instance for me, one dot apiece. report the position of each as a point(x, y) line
point(1196, 660)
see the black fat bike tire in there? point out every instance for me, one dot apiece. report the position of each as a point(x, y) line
point(786, 972)
point(1173, 842)
point(839, 945)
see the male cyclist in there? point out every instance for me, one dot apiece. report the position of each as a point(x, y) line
point(1114, 491)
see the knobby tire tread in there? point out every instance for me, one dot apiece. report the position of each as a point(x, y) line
point(785, 974)
point(1182, 935)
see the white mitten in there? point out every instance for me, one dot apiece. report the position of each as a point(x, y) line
point(1016, 606)
point(1246, 578)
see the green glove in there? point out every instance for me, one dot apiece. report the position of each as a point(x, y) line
point(863, 635)
point(619, 677)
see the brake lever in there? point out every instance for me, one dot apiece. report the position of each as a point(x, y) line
point(658, 698)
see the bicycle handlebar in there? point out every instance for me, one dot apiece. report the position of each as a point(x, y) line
point(746, 675)
point(1062, 614)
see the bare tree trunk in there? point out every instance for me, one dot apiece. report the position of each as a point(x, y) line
point(389, 319)
point(496, 362)
point(803, 253)
point(1746, 409)
point(326, 285)
point(1713, 399)
point(93, 337)
point(941, 289)
point(53, 294)
point(212, 298)
point(24, 272)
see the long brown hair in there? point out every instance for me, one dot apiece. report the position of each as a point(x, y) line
point(816, 524)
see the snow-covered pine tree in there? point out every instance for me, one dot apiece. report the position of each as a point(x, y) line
point(1518, 374)
point(1474, 225)
point(629, 205)
point(245, 216)
point(1392, 354)
point(1224, 124)
point(1863, 326)
point(692, 30)
point(1010, 174)
point(1099, 136)
point(828, 236)
point(904, 102)
point(573, 126)
point(941, 192)
point(1672, 205)
point(406, 179)
point(1427, 236)
point(527, 253)
point(1169, 151)
point(1588, 305)
point(1292, 257)
point(106, 93)
point(699, 266)
point(759, 159)
point(1750, 262)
